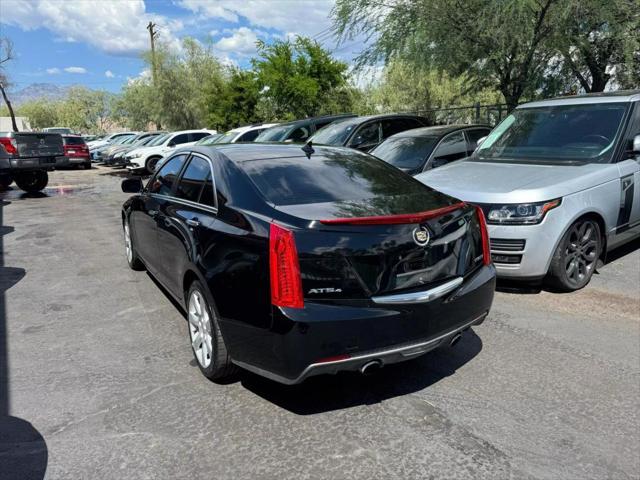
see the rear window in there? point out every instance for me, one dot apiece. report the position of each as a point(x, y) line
point(73, 140)
point(336, 177)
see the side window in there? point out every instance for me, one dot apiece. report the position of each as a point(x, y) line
point(250, 136)
point(300, 134)
point(179, 139)
point(474, 135)
point(366, 136)
point(162, 182)
point(207, 196)
point(198, 135)
point(397, 125)
point(453, 147)
point(193, 179)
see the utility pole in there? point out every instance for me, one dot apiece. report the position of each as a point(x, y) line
point(152, 36)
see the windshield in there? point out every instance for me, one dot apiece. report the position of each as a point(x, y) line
point(407, 153)
point(211, 139)
point(158, 140)
point(227, 137)
point(557, 134)
point(274, 134)
point(335, 133)
point(122, 139)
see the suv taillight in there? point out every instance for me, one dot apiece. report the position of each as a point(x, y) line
point(486, 251)
point(284, 269)
point(9, 145)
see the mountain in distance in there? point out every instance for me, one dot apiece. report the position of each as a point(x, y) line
point(37, 91)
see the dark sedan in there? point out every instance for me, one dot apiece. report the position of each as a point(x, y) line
point(292, 262)
point(415, 151)
point(365, 133)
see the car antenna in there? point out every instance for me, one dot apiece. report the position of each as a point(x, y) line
point(308, 149)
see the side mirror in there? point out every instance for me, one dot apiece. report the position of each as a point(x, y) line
point(635, 148)
point(481, 141)
point(171, 144)
point(132, 185)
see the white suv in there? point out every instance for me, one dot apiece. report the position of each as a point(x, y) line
point(148, 156)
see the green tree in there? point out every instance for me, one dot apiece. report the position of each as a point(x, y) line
point(41, 113)
point(85, 110)
point(599, 40)
point(497, 44)
point(297, 78)
point(235, 102)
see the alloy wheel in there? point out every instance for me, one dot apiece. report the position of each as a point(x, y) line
point(127, 242)
point(200, 329)
point(582, 251)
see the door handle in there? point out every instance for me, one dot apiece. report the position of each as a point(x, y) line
point(193, 222)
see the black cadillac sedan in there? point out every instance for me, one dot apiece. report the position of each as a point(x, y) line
point(292, 262)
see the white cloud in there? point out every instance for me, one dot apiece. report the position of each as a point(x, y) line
point(109, 74)
point(117, 27)
point(307, 17)
point(75, 70)
point(241, 42)
point(53, 71)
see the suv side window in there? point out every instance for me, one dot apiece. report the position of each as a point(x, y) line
point(452, 147)
point(367, 136)
point(251, 135)
point(162, 183)
point(474, 135)
point(300, 134)
point(396, 125)
point(179, 139)
point(195, 136)
point(193, 179)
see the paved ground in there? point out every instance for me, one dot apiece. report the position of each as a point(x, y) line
point(100, 383)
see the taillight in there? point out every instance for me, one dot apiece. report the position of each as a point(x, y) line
point(286, 285)
point(9, 145)
point(486, 251)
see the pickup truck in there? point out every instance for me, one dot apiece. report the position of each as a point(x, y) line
point(29, 156)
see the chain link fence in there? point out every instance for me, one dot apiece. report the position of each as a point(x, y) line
point(477, 113)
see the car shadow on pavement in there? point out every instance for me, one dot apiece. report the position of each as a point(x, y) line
point(23, 451)
point(326, 393)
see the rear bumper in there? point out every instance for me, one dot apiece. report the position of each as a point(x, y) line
point(35, 163)
point(326, 338)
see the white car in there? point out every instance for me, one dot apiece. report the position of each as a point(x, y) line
point(245, 134)
point(107, 140)
point(146, 158)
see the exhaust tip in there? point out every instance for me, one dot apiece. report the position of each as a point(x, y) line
point(371, 367)
point(456, 338)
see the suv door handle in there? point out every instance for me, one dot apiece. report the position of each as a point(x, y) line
point(193, 222)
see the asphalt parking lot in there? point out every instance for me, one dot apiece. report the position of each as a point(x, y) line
point(97, 375)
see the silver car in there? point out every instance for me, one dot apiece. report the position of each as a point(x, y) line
point(558, 182)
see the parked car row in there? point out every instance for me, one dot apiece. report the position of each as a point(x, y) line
point(298, 260)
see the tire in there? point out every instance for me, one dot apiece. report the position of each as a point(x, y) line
point(5, 180)
point(576, 256)
point(130, 250)
point(211, 355)
point(87, 166)
point(32, 182)
point(151, 163)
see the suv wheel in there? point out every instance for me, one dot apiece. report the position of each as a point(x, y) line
point(132, 257)
point(576, 257)
point(5, 181)
point(32, 182)
point(207, 343)
point(151, 163)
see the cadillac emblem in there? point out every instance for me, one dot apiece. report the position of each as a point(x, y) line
point(421, 236)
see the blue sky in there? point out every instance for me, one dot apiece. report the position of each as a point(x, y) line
point(97, 43)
